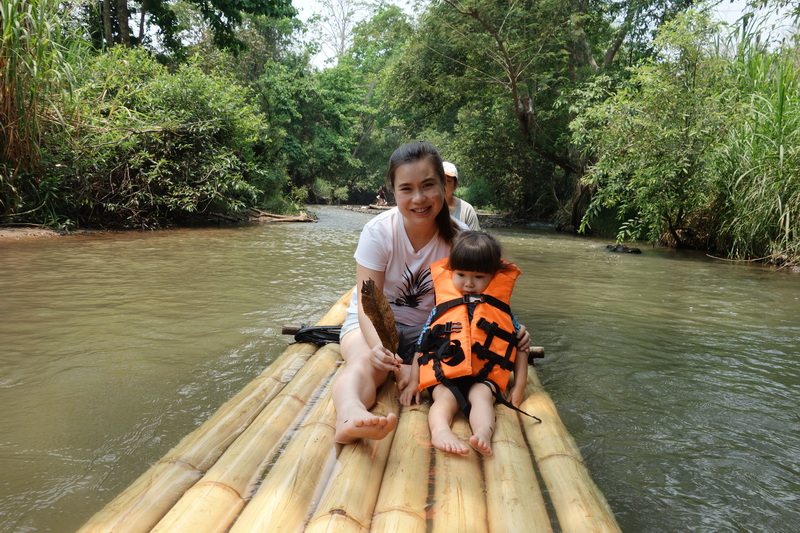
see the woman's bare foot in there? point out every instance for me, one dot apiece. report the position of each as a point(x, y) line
point(364, 426)
point(446, 440)
point(482, 445)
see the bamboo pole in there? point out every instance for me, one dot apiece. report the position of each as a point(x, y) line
point(348, 500)
point(285, 497)
point(579, 504)
point(459, 503)
point(144, 503)
point(514, 501)
point(214, 502)
point(404, 491)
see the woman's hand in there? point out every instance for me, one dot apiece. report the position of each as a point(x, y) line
point(384, 360)
point(524, 337)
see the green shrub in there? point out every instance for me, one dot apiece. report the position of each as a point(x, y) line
point(479, 193)
point(757, 205)
point(33, 72)
point(655, 136)
point(149, 146)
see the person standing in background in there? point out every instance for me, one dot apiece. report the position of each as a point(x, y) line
point(459, 209)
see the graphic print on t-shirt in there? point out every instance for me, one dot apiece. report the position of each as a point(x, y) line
point(415, 286)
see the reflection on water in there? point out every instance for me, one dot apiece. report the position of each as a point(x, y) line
point(677, 375)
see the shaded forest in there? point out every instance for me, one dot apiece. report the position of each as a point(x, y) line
point(647, 120)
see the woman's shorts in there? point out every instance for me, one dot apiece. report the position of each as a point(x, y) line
point(409, 335)
point(350, 323)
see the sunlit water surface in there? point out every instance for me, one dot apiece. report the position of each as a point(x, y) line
point(677, 375)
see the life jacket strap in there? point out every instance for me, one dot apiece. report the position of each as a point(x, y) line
point(443, 307)
point(484, 352)
point(436, 345)
point(498, 396)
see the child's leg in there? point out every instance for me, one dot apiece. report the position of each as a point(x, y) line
point(481, 417)
point(440, 417)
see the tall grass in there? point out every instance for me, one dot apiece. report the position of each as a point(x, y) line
point(32, 69)
point(758, 172)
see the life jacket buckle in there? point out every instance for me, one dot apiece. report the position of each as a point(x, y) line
point(452, 327)
point(473, 298)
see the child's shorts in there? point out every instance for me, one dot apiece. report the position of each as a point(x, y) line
point(464, 384)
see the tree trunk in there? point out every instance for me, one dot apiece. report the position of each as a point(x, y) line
point(141, 21)
point(107, 23)
point(122, 18)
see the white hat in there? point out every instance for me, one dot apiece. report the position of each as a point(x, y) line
point(450, 168)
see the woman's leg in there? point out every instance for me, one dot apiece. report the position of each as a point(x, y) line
point(440, 418)
point(354, 393)
point(481, 417)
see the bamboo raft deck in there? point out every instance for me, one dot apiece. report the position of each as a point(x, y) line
point(266, 461)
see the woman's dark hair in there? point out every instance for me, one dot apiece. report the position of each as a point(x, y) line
point(476, 251)
point(414, 151)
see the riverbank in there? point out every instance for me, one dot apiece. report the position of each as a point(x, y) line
point(487, 220)
point(32, 232)
point(16, 233)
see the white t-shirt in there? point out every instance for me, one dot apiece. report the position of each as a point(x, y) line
point(464, 212)
point(384, 246)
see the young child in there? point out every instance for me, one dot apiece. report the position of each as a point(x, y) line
point(468, 347)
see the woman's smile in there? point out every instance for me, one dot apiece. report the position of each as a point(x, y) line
point(418, 190)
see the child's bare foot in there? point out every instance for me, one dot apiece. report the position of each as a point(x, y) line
point(366, 426)
point(481, 445)
point(445, 440)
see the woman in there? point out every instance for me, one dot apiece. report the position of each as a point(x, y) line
point(395, 250)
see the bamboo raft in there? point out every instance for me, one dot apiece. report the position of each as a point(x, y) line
point(266, 461)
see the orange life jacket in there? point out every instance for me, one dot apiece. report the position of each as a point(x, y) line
point(454, 346)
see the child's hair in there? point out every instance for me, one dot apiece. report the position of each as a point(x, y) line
point(476, 251)
point(414, 151)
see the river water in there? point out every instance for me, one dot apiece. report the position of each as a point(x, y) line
point(678, 375)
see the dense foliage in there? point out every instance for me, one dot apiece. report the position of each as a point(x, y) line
point(699, 148)
point(641, 118)
point(656, 136)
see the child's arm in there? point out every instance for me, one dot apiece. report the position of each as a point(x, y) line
point(517, 393)
point(409, 388)
point(410, 393)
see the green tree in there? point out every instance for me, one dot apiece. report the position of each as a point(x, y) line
point(318, 115)
point(655, 137)
point(534, 57)
point(377, 43)
point(109, 22)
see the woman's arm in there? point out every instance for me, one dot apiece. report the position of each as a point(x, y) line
point(381, 358)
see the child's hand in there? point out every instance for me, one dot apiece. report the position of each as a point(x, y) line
point(410, 394)
point(403, 377)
